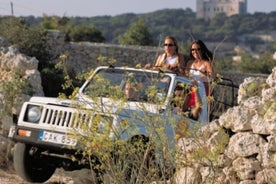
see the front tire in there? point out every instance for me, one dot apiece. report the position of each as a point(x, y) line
point(29, 167)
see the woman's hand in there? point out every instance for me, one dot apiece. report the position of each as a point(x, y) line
point(147, 66)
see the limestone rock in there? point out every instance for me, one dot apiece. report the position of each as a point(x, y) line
point(260, 125)
point(266, 176)
point(237, 119)
point(187, 175)
point(12, 63)
point(267, 157)
point(271, 79)
point(272, 143)
point(230, 176)
point(246, 167)
point(269, 94)
point(248, 182)
point(244, 144)
point(250, 87)
point(33, 76)
point(218, 141)
point(209, 129)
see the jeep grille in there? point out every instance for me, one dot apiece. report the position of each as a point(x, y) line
point(68, 118)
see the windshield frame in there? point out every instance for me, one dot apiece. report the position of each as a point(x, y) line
point(112, 80)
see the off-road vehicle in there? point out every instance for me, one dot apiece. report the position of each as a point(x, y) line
point(48, 130)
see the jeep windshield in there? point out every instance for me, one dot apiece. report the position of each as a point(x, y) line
point(129, 84)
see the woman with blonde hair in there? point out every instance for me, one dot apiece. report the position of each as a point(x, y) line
point(171, 59)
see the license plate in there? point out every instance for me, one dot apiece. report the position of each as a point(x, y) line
point(56, 138)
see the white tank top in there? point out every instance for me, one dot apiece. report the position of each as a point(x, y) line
point(197, 75)
point(171, 60)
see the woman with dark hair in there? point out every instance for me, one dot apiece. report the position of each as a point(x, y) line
point(171, 59)
point(200, 66)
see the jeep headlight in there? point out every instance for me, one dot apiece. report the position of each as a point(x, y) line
point(33, 114)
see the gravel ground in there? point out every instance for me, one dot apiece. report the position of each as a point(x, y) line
point(60, 177)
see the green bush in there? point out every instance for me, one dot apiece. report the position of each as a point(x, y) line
point(32, 41)
point(137, 34)
point(28, 40)
point(10, 90)
point(85, 33)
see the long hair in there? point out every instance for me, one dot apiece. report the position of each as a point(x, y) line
point(206, 53)
point(174, 41)
point(176, 48)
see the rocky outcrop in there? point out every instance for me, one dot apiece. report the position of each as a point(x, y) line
point(14, 68)
point(240, 146)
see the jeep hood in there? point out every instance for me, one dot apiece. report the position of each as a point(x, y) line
point(104, 105)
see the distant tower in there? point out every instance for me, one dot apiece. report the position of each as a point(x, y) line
point(207, 9)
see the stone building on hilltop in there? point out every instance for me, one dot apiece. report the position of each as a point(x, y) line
point(207, 9)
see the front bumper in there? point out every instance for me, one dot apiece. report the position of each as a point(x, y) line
point(42, 138)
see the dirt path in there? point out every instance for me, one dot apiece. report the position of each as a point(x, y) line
point(12, 178)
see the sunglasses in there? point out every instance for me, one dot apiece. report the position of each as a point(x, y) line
point(169, 44)
point(197, 49)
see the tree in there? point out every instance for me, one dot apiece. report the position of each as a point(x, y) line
point(263, 65)
point(28, 40)
point(32, 41)
point(137, 34)
point(50, 22)
point(86, 33)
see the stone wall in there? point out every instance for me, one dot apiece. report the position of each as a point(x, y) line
point(84, 56)
point(240, 146)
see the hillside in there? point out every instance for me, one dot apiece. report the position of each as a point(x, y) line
point(184, 25)
point(181, 23)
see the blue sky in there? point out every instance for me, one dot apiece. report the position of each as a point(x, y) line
point(89, 8)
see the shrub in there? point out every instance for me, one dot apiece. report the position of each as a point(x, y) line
point(85, 33)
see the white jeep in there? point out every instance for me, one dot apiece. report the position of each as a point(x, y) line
point(48, 130)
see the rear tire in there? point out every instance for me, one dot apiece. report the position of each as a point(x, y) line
point(29, 167)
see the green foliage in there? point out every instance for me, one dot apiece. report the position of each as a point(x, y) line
point(11, 89)
point(124, 161)
point(48, 74)
point(31, 41)
point(86, 33)
point(248, 64)
point(272, 46)
point(181, 23)
point(262, 65)
point(28, 40)
point(224, 64)
point(49, 22)
point(255, 88)
point(54, 22)
point(66, 85)
point(137, 34)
